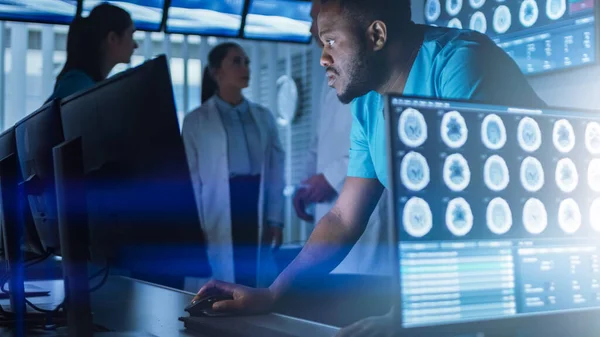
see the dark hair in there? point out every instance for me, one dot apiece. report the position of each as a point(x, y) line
point(395, 13)
point(215, 59)
point(85, 37)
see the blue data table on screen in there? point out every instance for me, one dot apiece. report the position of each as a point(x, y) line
point(541, 36)
point(147, 14)
point(279, 20)
point(205, 17)
point(45, 11)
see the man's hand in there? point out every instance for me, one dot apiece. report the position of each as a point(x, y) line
point(246, 300)
point(319, 189)
point(377, 326)
point(300, 201)
point(273, 237)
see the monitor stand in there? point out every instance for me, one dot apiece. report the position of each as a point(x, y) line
point(70, 178)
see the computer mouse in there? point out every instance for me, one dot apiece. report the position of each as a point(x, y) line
point(203, 305)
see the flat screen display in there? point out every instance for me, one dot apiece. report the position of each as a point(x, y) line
point(279, 20)
point(540, 35)
point(497, 211)
point(205, 17)
point(44, 11)
point(147, 14)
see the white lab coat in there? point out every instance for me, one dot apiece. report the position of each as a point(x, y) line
point(329, 154)
point(205, 141)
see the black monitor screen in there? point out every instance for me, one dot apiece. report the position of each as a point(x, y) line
point(279, 20)
point(146, 14)
point(45, 11)
point(205, 17)
point(497, 210)
point(539, 35)
point(140, 202)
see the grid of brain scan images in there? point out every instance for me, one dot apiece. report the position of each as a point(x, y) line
point(540, 35)
point(470, 172)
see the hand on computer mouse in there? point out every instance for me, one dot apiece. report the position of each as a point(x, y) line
point(376, 326)
point(245, 300)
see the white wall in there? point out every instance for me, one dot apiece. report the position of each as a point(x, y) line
point(578, 88)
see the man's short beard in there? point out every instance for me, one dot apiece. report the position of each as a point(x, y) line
point(367, 70)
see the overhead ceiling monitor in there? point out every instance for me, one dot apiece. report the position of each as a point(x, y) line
point(41, 11)
point(147, 14)
point(541, 36)
point(279, 20)
point(205, 17)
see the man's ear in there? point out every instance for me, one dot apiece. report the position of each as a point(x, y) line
point(377, 34)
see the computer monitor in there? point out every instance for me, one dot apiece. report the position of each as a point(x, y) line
point(147, 15)
point(31, 241)
point(205, 17)
point(497, 218)
point(40, 11)
point(36, 135)
point(279, 20)
point(140, 203)
point(541, 36)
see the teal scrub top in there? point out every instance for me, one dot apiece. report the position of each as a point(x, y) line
point(451, 64)
point(71, 82)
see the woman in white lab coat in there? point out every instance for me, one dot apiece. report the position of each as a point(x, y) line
point(236, 162)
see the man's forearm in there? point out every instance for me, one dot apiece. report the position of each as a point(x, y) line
point(329, 243)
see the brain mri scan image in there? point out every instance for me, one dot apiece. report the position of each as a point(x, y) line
point(566, 175)
point(529, 135)
point(595, 215)
point(498, 216)
point(455, 23)
point(457, 174)
point(478, 22)
point(569, 216)
point(532, 174)
point(433, 9)
point(529, 12)
point(453, 7)
point(592, 137)
point(416, 217)
point(454, 130)
point(563, 136)
point(412, 128)
point(535, 218)
point(502, 19)
point(495, 173)
point(476, 4)
point(414, 171)
point(493, 132)
point(594, 175)
point(459, 218)
point(555, 9)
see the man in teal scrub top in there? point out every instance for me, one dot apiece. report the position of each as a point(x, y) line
point(371, 47)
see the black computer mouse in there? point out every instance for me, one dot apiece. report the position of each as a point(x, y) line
point(203, 305)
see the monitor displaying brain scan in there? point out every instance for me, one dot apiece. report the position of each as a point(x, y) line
point(496, 199)
point(540, 35)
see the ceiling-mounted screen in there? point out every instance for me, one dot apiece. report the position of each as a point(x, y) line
point(540, 35)
point(279, 20)
point(147, 14)
point(43, 11)
point(205, 17)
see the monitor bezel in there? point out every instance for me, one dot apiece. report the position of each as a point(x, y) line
point(552, 321)
point(45, 22)
point(160, 23)
point(243, 29)
point(596, 61)
point(190, 33)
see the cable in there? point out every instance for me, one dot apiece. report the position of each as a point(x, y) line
point(106, 273)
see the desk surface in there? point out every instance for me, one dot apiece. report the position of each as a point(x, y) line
point(124, 304)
